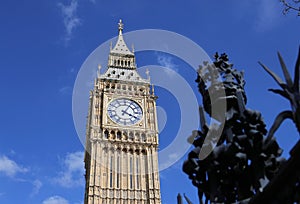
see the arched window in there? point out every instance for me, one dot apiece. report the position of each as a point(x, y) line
point(113, 134)
point(106, 134)
point(137, 174)
point(111, 173)
point(119, 136)
point(143, 137)
point(137, 136)
point(118, 172)
point(131, 136)
point(130, 172)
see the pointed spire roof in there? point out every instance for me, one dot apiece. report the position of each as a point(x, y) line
point(121, 47)
point(121, 62)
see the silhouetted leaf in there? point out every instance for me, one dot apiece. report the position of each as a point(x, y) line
point(297, 70)
point(285, 71)
point(280, 92)
point(273, 75)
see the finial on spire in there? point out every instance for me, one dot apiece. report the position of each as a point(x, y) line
point(98, 71)
point(110, 46)
point(132, 47)
point(153, 89)
point(121, 26)
point(148, 73)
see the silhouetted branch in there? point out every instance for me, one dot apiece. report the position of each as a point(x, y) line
point(290, 6)
point(279, 119)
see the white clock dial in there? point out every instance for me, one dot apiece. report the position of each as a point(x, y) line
point(124, 111)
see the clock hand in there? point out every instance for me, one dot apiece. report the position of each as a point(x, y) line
point(123, 112)
point(126, 109)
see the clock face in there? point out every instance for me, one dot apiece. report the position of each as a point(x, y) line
point(124, 111)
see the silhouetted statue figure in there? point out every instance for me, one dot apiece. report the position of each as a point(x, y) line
point(241, 161)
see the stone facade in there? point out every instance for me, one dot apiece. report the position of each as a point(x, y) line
point(121, 159)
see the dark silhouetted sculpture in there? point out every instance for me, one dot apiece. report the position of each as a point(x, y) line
point(242, 161)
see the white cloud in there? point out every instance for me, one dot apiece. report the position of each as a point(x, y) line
point(72, 70)
point(12, 152)
point(37, 184)
point(168, 162)
point(70, 18)
point(72, 174)
point(9, 167)
point(65, 90)
point(55, 200)
point(167, 62)
point(268, 13)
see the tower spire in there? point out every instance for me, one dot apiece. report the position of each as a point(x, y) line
point(121, 61)
point(120, 56)
point(121, 48)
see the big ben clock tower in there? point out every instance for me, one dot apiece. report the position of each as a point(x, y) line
point(121, 159)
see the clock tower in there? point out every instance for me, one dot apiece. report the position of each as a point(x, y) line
point(121, 159)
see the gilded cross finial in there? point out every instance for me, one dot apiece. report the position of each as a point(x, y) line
point(148, 73)
point(121, 26)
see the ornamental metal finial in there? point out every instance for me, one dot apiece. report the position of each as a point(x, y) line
point(121, 26)
point(148, 74)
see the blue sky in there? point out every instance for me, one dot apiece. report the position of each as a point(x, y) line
point(44, 43)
